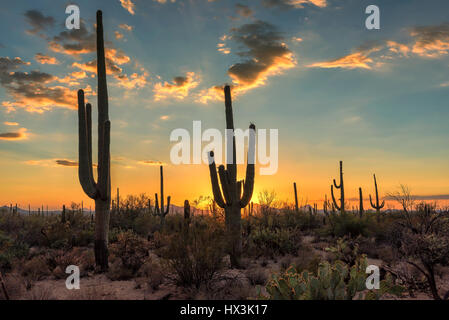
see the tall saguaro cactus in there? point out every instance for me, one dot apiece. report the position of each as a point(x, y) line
point(99, 191)
point(376, 206)
point(296, 196)
point(160, 210)
point(340, 186)
point(361, 210)
point(230, 196)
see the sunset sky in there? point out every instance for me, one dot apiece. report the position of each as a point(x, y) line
point(376, 99)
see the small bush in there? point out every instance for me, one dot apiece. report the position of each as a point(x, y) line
point(195, 256)
point(131, 249)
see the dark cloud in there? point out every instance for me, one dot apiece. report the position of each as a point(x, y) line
point(66, 163)
point(38, 21)
point(30, 90)
point(20, 135)
point(265, 53)
point(431, 41)
point(74, 41)
point(290, 4)
point(243, 10)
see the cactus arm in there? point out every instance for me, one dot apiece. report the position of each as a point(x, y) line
point(225, 185)
point(382, 205)
point(168, 206)
point(156, 204)
point(214, 181)
point(84, 172)
point(371, 202)
point(248, 187)
point(333, 198)
point(89, 136)
point(337, 186)
point(104, 182)
point(231, 167)
point(162, 189)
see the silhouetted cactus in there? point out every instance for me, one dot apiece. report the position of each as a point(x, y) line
point(161, 211)
point(296, 197)
point(99, 191)
point(341, 208)
point(230, 196)
point(186, 214)
point(376, 206)
point(63, 218)
point(361, 210)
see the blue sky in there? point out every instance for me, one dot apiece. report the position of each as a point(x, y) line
point(376, 99)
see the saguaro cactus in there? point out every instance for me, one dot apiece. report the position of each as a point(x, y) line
point(160, 210)
point(361, 210)
point(376, 206)
point(99, 191)
point(230, 196)
point(296, 197)
point(340, 186)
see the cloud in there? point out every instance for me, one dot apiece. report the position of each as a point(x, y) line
point(359, 59)
point(74, 42)
point(38, 21)
point(128, 5)
point(66, 163)
point(266, 55)
point(133, 81)
point(44, 59)
point(179, 88)
point(172, 1)
point(398, 48)
point(31, 90)
point(151, 163)
point(118, 35)
point(214, 93)
point(12, 136)
point(289, 4)
point(53, 163)
point(7, 123)
point(243, 10)
point(431, 41)
point(126, 27)
point(351, 61)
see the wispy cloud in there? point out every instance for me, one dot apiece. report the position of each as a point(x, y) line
point(431, 41)
point(179, 88)
point(287, 4)
point(7, 123)
point(38, 21)
point(128, 5)
point(45, 59)
point(13, 136)
point(151, 163)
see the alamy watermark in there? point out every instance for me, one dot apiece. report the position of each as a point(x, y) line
point(189, 148)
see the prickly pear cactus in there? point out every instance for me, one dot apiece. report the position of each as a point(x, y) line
point(335, 281)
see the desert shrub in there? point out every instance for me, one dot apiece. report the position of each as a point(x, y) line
point(59, 260)
point(257, 276)
point(422, 240)
point(11, 250)
point(271, 242)
point(35, 269)
point(131, 249)
point(195, 256)
point(153, 273)
point(306, 260)
point(346, 224)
